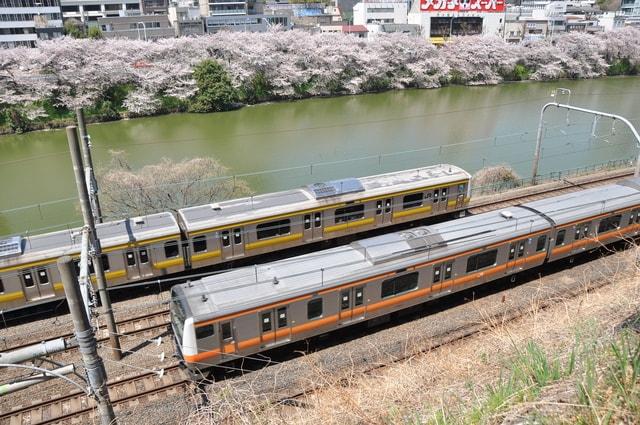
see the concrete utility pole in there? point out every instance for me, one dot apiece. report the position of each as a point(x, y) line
point(536, 156)
point(85, 146)
point(93, 365)
point(96, 254)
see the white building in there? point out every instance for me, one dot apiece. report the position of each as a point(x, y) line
point(223, 7)
point(380, 12)
point(91, 10)
point(441, 19)
point(23, 22)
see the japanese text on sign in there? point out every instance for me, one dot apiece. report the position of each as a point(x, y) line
point(462, 5)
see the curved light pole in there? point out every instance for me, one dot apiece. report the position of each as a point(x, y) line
point(536, 157)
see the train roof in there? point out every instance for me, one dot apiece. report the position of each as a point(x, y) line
point(113, 233)
point(316, 195)
point(589, 202)
point(251, 287)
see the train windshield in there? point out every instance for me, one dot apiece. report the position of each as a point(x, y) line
point(177, 318)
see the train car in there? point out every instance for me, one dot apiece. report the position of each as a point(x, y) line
point(256, 225)
point(135, 248)
point(248, 310)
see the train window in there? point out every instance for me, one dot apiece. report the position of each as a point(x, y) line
point(436, 274)
point(637, 216)
point(350, 213)
point(542, 243)
point(447, 270)
point(585, 230)
point(577, 235)
point(225, 330)
point(398, 285)
point(307, 222)
point(105, 262)
point(444, 192)
point(28, 279)
point(314, 308)
point(378, 207)
point(76, 266)
point(237, 236)
point(144, 255)
point(560, 237)
point(359, 296)
point(131, 258)
point(200, 243)
point(512, 251)
point(631, 218)
point(225, 238)
point(435, 196)
point(204, 331)
point(344, 300)
point(412, 201)
point(171, 249)
point(460, 189)
point(609, 223)
point(1, 287)
point(266, 321)
point(282, 317)
point(317, 219)
point(387, 206)
point(482, 260)
point(43, 277)
point(520, 249)
point(273, 228)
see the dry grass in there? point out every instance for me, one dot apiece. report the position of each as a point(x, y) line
point(497, 176)
point(551, 365)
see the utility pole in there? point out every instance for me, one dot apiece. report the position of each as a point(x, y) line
point(93, 365)
point(85, 145)
point(96, 253)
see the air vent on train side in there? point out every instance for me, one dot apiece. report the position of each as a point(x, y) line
point(335, 187)
point(10, 246)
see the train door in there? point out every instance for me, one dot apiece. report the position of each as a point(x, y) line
point(225, 244)
point(144, 262)
point(317, 225)
point(511, 259)
point(29, 287)
point(351, 304)
point(388, 211)
point(307, 227)
point(379, 218)
point(45, 287)
point(267, 327)
point(444, 198)
point(227, 338)
point(238, 242)
point(283, 332)
point(131, 264)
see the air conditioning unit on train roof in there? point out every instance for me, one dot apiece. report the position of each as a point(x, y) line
point(10, 247)
point(335, 188)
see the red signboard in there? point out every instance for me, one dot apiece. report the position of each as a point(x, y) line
point(462, 5)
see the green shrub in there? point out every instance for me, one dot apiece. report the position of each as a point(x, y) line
point(257, 89)
point(173, 104)
point(215, 91)
point(622, 67)
point(17, 120)
point(376, 84)
point(94, 33)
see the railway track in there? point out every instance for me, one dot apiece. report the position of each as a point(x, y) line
point(77, 407)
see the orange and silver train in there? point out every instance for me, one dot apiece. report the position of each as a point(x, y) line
point(156, 245)
point(248, 310)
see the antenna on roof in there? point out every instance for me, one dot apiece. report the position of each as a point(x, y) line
point(204, 298)
point(275, 280)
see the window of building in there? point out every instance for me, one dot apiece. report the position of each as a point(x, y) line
point(28, 279)
point(359, 296)
point(314, 308)
point(144, 256)
point(542, 243)
point(609, 223)
point(412, 201)
point(131, 259)
point(399, 285)
point(482, 260)
point(225, 330)
point(266, 322)
point(171, 249)
point(560, 237)
point(200, 243)
point(43, 277)
point(273, 228)
point(204, 331)
point(350, 213)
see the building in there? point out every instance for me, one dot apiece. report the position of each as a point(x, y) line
point(90, 10)
point(408, 29)
point(142, 27)
point(154, 7)
point(184, 17)
point(223, 7)
point(359, 31)
point(251, 23)
point(380, 12)
point(630, 8)
point(441, 19)
point(23, 22)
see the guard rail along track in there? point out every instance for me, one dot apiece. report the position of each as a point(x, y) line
point(77, 407)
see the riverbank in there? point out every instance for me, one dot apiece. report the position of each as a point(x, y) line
point(215, 73)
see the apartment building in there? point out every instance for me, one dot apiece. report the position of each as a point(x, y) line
point(23, 22)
